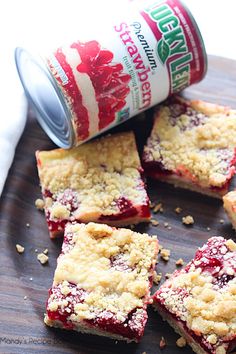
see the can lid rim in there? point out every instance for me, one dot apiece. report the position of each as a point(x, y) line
point(59, 130)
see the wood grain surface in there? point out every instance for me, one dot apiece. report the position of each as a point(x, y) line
point(24, 282)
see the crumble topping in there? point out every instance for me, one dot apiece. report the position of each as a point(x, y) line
point(220, 350)
point(203, 294)
point(39, 203)
point(19, 248)
point(178, 210)
point(111, 265)
point(158, 208)
point(212, 338)
point(59, 211)
point(157, 277)
point(162, 343)
point(231, 245)
point(181, 342)
point(179, 262)
point(198, 142)
point(89, 180)
point(42, 258)
point(187, 220)
point(229, 201)
point(165, 254)
point(154, 222)
point(231, 197)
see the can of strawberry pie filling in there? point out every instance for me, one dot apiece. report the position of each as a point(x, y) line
point(86, 87)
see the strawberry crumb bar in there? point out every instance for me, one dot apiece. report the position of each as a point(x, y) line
point(199, 301)
point(192, 145)
point(99, 181)
point(102, 281)
point(230, 207)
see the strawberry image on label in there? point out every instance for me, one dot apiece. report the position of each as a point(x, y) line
point(96, 88)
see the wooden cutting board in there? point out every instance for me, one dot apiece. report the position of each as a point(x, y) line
point(24, 281)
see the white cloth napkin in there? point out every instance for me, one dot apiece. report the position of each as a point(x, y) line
point(13, 112)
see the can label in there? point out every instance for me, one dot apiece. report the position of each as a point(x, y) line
point(142, 60)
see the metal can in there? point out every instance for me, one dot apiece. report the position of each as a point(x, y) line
point(86, 87)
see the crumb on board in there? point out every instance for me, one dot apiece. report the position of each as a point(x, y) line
point(188, 220)
point(162, 343)
point(154, 222)
point(157, 277)
point(36, 250)
point(179, 262)
point(181, 342)
point(166, 224)
point(169, 228)
point(39, 203)
point(27, 224)
point(208, 229)
point(25, 297)
point(45, 251)
point(178, 210)
point(222, 221)
point(31, 279)
point(165, 254)
point(19, 248)
point(158, 208)
point(42, 258)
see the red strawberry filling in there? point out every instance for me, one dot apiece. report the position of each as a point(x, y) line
point(155, 169)
point(69, 199)
point(132, 327)
point(55, 226)
point(127, 210)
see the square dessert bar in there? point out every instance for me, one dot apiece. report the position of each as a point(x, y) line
point(199, 301)
point(229, 201)
point(102, 281)
point(192, 145)
point(100, 181)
